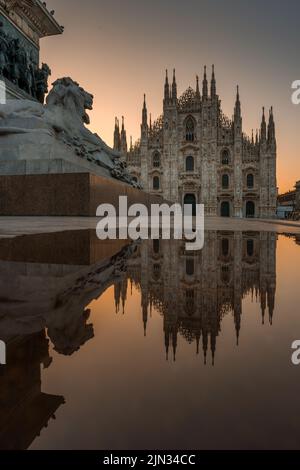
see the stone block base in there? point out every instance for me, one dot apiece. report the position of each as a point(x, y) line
point(68, 194)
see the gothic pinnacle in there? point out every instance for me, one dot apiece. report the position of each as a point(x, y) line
point(167, 89)
point(263, 127)
point(204, 88)
point(213, 83)
point(237, 108)
point(271, 126)
point(174, 87)
point(144, 114)
point(197, 87)
point(117, 141)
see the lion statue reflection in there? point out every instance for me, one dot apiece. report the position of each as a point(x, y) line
point(63, 118)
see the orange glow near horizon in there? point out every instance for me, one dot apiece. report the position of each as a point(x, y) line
point(113, 57)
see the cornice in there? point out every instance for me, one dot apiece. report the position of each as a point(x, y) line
point(34, 13)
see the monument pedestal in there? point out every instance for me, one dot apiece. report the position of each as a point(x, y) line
point(51, 164)
point(65, 194)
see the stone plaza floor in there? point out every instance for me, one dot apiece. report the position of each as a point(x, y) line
point(16, 226)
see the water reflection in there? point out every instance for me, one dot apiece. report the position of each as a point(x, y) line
point(47, 283)
point(194, 290)
point(25, 410)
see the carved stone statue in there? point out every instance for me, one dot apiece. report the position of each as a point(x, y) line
point(41, 82)
point(18, 65)
point(4, 48)
point(17, 62)
point(30, 80)
point(60, 123)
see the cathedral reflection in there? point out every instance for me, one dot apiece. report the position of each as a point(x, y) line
point(48, 281)
point(193, 291)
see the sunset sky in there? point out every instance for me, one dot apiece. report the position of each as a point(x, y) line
point(119, 49)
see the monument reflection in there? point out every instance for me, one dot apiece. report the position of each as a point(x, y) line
point(48, 281)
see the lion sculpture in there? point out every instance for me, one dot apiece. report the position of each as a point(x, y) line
point(63, 118)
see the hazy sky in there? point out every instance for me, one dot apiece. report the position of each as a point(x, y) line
point(119, 49)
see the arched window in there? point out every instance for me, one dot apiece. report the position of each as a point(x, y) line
point(225, 181)
point(156, 182)
point(250, 209)
point(190, 130)
point(250, 180)
point(190, 200)
point(156, 160)
point(189, 163)
point(225, 157)
point(225, 209)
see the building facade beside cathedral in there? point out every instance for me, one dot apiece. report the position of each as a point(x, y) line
point(194, 154)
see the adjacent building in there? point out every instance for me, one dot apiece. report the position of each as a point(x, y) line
point(288, 204)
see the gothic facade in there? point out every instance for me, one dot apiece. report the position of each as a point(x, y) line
point(194, 154)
